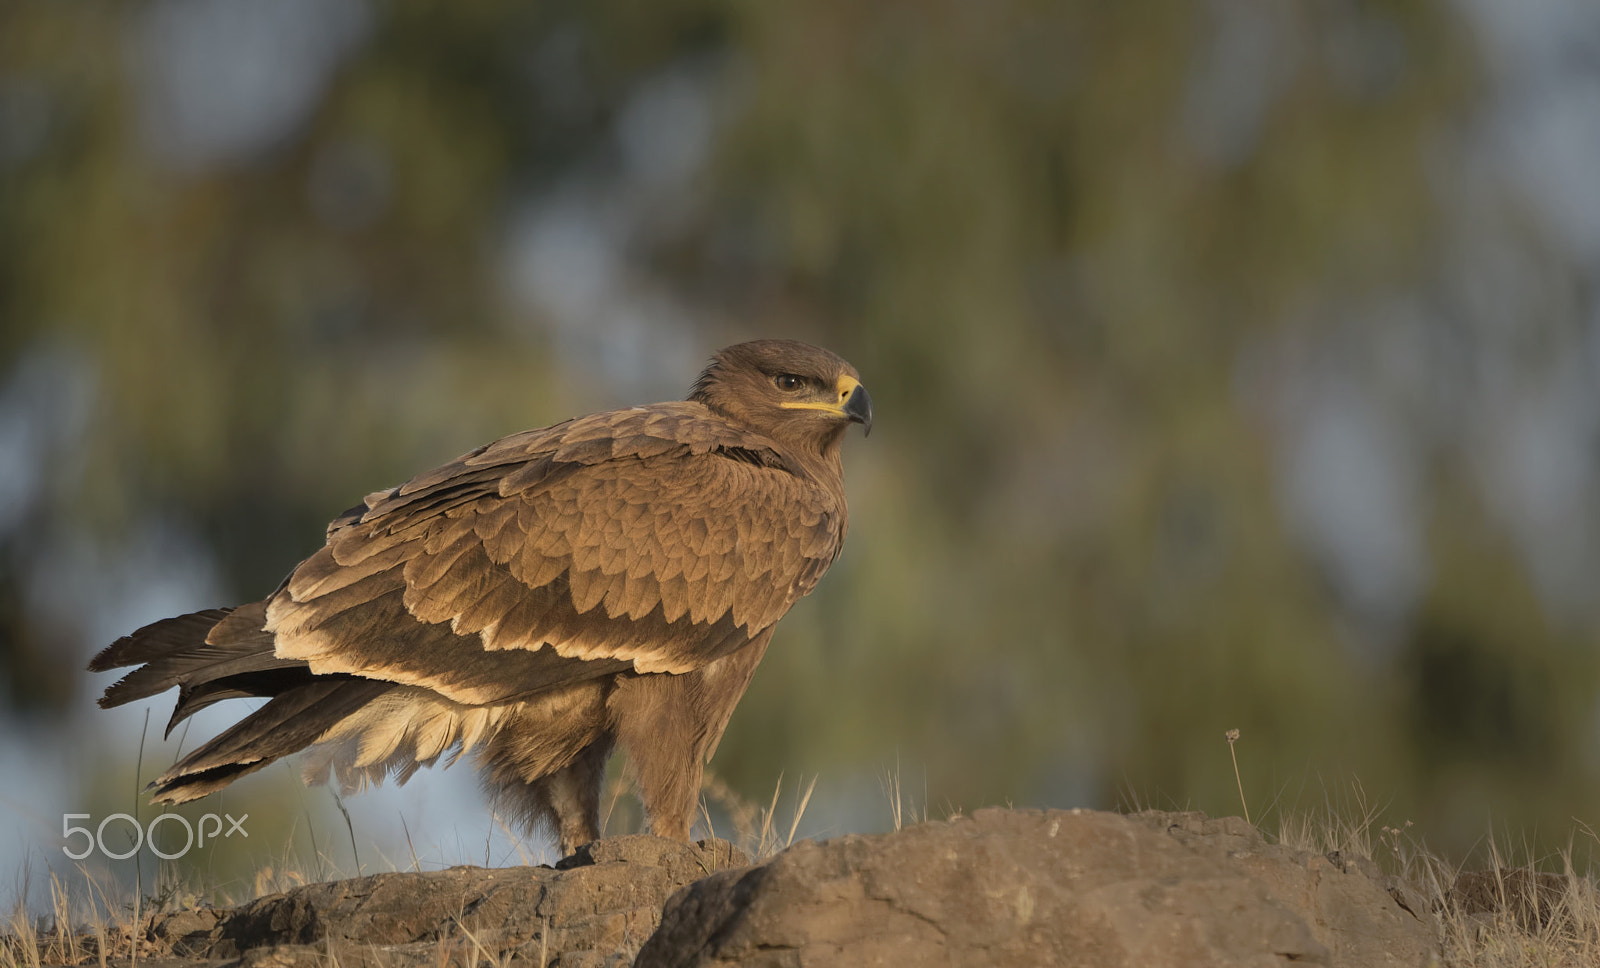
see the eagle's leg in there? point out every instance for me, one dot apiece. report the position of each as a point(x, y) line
point(662, 730)
point(569, 798)
point(670, 724)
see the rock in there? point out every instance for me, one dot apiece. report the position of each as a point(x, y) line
point(596, 909)
point(1008, 887)
point(1001, 888)
point(182, 929)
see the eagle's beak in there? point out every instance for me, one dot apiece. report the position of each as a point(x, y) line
point(858, 407)
point(852, 402)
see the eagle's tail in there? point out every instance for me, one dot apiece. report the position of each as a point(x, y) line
point(293, 720)
point(224, 653)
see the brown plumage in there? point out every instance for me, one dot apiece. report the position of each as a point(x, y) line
point(612, 579)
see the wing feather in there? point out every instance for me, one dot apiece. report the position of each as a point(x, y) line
point(426, 570)
point(627, 539)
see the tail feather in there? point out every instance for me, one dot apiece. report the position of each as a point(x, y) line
point(254, 685)
point(158, 639)
point(215, 654)
point(287, 724)
point(225, 653)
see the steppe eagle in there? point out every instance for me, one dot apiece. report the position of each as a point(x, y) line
point(611, 579)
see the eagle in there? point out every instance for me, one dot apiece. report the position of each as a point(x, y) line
point(608, 581)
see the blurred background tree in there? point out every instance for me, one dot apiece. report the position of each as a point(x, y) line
point(1238, 363)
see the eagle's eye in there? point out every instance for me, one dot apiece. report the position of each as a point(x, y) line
point(788, 381)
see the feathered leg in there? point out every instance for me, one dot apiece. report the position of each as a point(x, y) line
point(570, 797)
point(670, 725)
point(545, 763)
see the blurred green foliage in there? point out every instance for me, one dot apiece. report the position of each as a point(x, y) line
point(1068, 572)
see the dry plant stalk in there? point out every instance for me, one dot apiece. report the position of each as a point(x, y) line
point(1233, 737)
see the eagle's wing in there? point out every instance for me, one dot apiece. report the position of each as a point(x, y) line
point(657, 539)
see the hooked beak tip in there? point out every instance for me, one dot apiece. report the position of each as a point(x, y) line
point(859, 408)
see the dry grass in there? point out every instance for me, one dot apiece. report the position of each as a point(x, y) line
point(755, 828)
point(1512, 910)
point(92, 928)
point(1505, 910)
point(1508, 909)
point(92, 917)
point(77, 930)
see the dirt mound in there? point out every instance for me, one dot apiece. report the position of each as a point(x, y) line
point(1001, 888)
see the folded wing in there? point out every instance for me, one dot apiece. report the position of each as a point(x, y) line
point(649, 539)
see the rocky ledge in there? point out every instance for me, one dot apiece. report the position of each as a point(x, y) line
point(999, 888)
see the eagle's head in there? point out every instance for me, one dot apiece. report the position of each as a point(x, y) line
point(791, 391)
